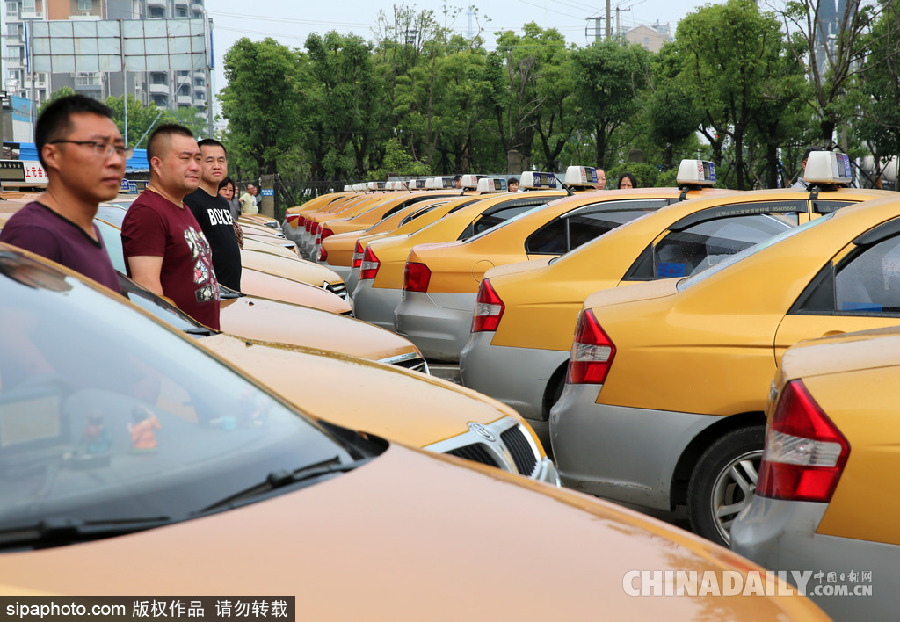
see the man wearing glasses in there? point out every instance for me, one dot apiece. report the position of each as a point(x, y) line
point(84, 155)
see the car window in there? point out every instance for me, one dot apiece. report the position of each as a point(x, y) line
point(826, 206)
point(696, 248)
point(571, 230)
point(500, 213)
point(699, 277)
point(107, 415)
point(411, 217)
point(865, 282)
point(112, 240)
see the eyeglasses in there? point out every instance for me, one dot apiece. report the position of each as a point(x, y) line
point(99, 148)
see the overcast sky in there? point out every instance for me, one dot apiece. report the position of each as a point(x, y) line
point(290, 22)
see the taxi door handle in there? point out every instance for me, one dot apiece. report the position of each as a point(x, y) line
point(832, 333)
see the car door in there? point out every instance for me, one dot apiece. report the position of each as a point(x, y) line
point(858, 289)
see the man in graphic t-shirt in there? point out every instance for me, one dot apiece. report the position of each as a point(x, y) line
point(164, 248)
point(214, 215)
point(84, 155)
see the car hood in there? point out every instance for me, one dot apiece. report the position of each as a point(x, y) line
point(632, 292)
point(869, 349)
point(408, 536)
point(392, 402)
point(290, 267)
point(265, 285)
point(277, 322)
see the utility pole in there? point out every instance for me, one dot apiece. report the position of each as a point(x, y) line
point(608, 25)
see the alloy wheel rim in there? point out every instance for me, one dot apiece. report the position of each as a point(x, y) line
point(733, 490)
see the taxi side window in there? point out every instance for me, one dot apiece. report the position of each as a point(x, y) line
point(568, 232)
point(865, 282)
point(695, 248)
point(826, 206)
point(493, 217)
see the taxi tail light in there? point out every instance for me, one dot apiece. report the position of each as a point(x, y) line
point(805, 452)
point(369, 265)
point(416, 277)
point(301, 222)
point(357, 255)
point(592, 352)
point(488, 308)
point(310, 224)
point(323, 254)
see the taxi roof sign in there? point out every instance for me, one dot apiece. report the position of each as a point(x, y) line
point(416, 184)
point(537, 180)
point(491, 184)
point(470, 182)
point(696, 173)
point(828, 168)
point(375, 185)
point(581, 176)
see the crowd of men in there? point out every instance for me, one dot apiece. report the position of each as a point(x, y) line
point(178, 237)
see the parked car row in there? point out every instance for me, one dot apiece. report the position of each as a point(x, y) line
point(638, 331)
point(133, 438)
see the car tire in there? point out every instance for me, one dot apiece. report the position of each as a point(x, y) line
point(723, 482)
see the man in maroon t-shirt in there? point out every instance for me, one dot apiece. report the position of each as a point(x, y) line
point(84, 155)
point(164, 247)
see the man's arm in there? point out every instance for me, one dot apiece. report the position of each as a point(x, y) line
point(146, 271)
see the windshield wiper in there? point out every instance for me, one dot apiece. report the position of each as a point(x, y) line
point(57, 531)
point(280, 479)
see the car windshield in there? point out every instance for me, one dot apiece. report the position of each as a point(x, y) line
point(749, 252)
point(107, 415)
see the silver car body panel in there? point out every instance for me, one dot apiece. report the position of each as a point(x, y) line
point(438, 323)
point(489, 440)
point(781, 536)
point(343, 271)
point(625, 454)
point(352, 280)
point(376, 304)
point(518, 377)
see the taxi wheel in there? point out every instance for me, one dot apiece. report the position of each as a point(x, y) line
point(724, 481)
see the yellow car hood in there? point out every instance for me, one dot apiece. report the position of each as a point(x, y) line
point(290, 267)
point(283, 323)
point(392, 402)
point(409, 536)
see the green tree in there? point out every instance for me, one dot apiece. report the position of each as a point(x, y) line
point(730, 54)
point(65, 91)
point(261, 102)
point(608, 77)
point(879, 122)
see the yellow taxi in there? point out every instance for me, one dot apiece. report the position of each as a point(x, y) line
point(127, 450)
point(665, 395)
point(519, 348)
point(352, 206)
point(823, 496)
point(441, 280)
point(383, 217)
point(432, 211)
point(339, 250)
point(295, 219)
point(380, 286)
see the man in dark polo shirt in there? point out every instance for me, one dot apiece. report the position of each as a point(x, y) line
point(164, 248)
point(214, 214)
point(84, 155)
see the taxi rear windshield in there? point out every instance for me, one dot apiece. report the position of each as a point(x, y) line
point(571, 230)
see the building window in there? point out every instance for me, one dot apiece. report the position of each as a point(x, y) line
point(180, 12)
point(84, 5)
point(156, 12)
point(13, 9)
point(28, 6)
point(87, 79)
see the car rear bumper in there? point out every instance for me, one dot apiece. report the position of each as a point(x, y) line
point(781, 536)
point(352, 281)
point(625, 454)
point(376, 304)
point(518, 377)
point(438, 324)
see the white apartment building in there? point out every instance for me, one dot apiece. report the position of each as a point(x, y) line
point(172, 89)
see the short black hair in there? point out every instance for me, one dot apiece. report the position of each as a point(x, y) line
point(631, 177)
point(226, 182)
point(55, 123)
point(512, 180)
point(457, 177)
point(212, 142)
point(809, 150)
point(164, 133)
